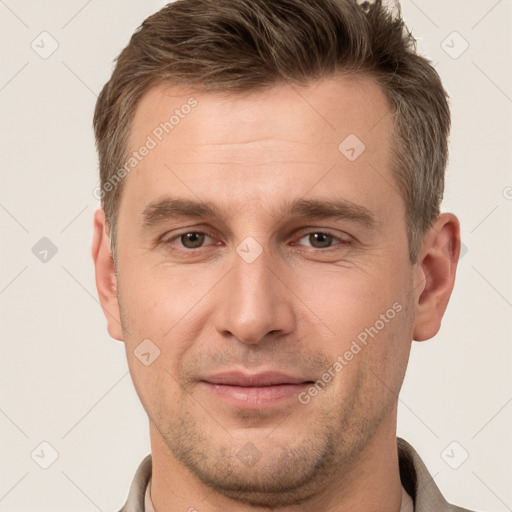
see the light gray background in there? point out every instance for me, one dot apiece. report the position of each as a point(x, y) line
point(64, 381)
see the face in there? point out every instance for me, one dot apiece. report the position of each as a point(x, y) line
point(269, 267)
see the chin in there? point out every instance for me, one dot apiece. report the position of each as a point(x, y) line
point(265, 486)
point(264, 474)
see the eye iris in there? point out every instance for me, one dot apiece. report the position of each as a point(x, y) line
point(320, 239)
point(192, 240)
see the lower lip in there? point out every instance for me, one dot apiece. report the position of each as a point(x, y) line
point(256, 397)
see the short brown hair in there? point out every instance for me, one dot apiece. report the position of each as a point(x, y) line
point(248, 45)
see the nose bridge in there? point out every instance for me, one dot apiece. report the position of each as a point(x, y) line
point(253, 301)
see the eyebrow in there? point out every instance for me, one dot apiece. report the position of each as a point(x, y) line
point(170, 207)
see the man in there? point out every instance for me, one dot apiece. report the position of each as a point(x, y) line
point(269, 244)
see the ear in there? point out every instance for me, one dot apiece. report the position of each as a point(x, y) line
point(106, 281)
point(435, 274)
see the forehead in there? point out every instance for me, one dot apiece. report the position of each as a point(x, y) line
point(260, 143)
point(332, 107)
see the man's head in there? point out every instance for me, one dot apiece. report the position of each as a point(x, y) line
point(278, 240)
point(247, 46)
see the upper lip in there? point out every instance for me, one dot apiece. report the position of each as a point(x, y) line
point(253, 380)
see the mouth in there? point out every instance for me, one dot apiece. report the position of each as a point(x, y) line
point(254, 391)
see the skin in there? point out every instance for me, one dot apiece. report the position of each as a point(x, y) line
point(294, 309)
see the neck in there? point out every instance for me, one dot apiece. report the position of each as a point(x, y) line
point(370, 482)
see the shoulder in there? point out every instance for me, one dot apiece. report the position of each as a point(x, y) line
point(418, 482)
point(135, 500)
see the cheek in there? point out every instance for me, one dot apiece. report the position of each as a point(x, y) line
point(160, 311)
point(375, 361)
point(156, 300)
point(346, 302)
point(387, 355)
point(156, 388)
point(366, 325)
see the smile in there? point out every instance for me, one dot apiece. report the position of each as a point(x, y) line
point(259, 391)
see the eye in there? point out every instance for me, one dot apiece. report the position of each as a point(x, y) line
point(192, 240)
point(322, 240)
point(189, 240)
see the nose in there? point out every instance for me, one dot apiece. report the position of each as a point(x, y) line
point(255, 303)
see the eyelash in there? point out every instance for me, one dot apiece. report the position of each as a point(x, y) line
point(341, 242)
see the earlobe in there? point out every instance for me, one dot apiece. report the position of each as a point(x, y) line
point(435, 275)
point(106, 282)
